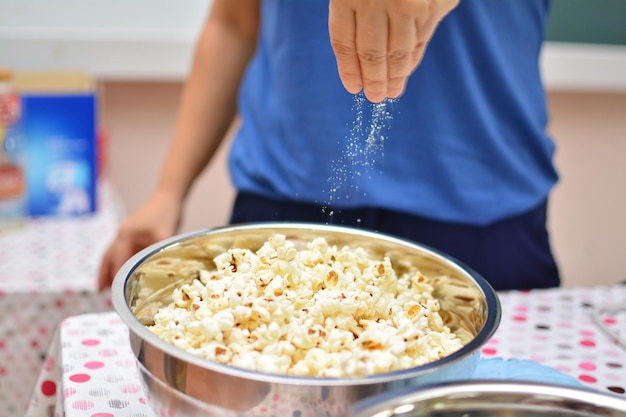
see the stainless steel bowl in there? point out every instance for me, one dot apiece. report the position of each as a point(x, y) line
point(184, 384)
point(492, 399)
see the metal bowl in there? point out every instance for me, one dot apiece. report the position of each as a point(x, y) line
point(184, 384)
point(492, 399)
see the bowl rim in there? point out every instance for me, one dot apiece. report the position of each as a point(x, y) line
point(379, 404)
point(118, 298)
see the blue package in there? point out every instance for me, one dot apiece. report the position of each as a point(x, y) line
point(60, 151)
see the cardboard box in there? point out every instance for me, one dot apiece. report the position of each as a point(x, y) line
point(59, 129)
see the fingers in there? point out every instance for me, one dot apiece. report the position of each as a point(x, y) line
point(372, 48)
point(120, 250)
point(104, 273)
point(425, 25)
point(379, 43)
point(360, 50)
point(157, 219)
point(372, 52)
point(112, 261)
point(400, 52)
point(342, 29)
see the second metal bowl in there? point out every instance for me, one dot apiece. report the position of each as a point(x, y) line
point(494, 398)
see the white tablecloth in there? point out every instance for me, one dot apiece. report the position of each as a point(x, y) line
point(48, 269)
point(572, 330)
point(91, 371)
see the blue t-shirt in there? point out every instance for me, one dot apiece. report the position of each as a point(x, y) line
point(466, 143)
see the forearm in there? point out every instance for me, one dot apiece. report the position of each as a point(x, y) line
point(208, 103)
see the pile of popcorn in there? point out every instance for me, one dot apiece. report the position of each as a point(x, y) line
point(321, 311)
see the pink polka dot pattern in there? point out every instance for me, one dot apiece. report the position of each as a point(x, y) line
point(130, 388)
point(48, 388)
point(95, 385)
point(556, 328)
point(48, 270)
point(79, 378)
point(587, 378)
point(82, 405)
point(588, 366)
point(68, 392)
point(94, 365)
point(108, 352)
point(489, 351)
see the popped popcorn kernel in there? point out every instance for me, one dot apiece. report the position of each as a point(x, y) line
point(320, 311)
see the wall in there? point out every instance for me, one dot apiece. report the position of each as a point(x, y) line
point(588, 209)
point(583, 21)
point(153, 39)
point(586, 216)
point(139, 118)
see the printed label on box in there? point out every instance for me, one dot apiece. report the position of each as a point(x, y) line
point(61, 172)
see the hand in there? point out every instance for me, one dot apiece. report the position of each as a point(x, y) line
point(379, 43)
point(157, 219)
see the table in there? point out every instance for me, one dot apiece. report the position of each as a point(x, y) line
point(48, 272)
point(577, 331)
point(90, 369)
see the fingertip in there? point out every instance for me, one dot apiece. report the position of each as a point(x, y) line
point(104, 282)
point(101, 285)
point(102, 272)
point(375, 96)
point(354, 88)
point(350, 75)
point(342, 26)
point(395, 92)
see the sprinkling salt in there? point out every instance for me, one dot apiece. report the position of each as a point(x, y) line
point(364, 149)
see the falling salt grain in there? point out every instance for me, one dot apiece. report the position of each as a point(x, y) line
point(364, 147)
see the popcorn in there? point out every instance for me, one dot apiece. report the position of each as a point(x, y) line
point(320, 311)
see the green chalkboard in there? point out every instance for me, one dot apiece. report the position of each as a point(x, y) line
point(588, 21)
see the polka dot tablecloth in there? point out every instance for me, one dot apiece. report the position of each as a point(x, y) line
point(90, 370)
point(577, 331)
point(48, 270)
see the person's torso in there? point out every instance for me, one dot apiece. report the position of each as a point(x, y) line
point(465, 143)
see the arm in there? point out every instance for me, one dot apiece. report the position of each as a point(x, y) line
point(207, 109)
point(208, 105)
point(379, 43)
